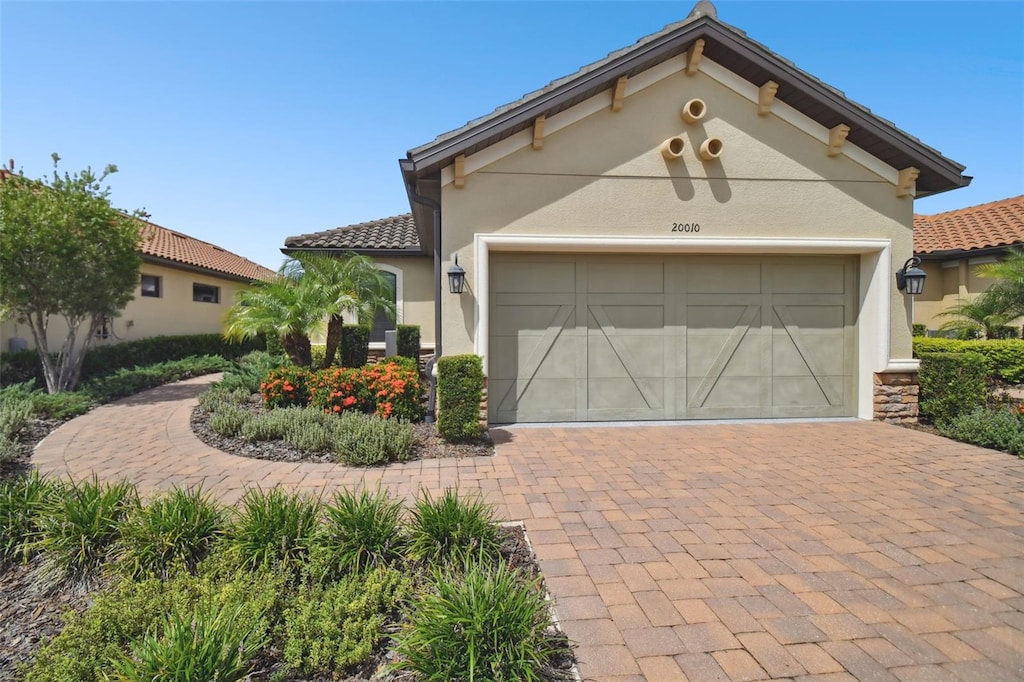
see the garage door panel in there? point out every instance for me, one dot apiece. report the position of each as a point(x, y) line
point(719, 319)
point(633, 318)
point(723, 278)
point(543, 400)
point(529, 356)
point(807, 391)
point(723, 354)
point(794, 278)
point(736, 393)
point(626, 278)
point(628, 393)
point(525, 320)
point(534, 277)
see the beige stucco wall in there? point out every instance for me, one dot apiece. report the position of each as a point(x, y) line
point(416, 293)
point(605, 176)
point(174, 313)
point(948, 283)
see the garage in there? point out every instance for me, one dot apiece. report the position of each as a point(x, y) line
point(608, 338)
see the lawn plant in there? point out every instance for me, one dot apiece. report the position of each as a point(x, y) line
point(273, 528)
point(22, 504)
point(362, 529)
point(368, 440)
point(451, 529)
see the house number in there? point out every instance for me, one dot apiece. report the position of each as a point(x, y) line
point(685, 227)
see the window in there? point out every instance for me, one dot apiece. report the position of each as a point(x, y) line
point(151, 286)
point(204, 293)
point(383, 322)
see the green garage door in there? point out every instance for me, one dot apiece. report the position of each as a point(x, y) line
point(597, 338)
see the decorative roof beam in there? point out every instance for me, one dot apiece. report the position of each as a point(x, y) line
point(620, 93)
point(906, 182)
point(836, 139)
point(693, 56)
point(766, 97)
point(538, 132)
point(460, 171)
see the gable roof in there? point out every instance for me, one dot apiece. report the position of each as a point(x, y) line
point(160, 244)
point(394, 234)
point(986, 226)
point(729, 47)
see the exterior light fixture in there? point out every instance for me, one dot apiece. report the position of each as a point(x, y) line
point(456, 277)
point(910, 277)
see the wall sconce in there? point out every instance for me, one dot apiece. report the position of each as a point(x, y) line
point(456, 277)
point(911, 277)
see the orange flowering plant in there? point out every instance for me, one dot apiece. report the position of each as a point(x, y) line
point(387, 389)
point(285, 387)
point(339, 389)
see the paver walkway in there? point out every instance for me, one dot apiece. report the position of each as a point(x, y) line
point(831, 551)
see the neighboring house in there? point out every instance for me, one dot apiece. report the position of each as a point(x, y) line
point(952, 244)
point(691, 227)
point(186, 286)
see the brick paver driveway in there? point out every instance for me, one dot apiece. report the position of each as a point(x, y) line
point(832, 551)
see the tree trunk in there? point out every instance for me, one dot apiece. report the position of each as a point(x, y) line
point(334, 329)
point(298, 348)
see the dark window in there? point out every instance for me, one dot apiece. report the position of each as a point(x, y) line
point(151, 286)
point(383, 322)
point(204, 293)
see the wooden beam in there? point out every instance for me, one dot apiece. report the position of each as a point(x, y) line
point(693, 56)
point(620, 93)
point(460, 171)
point(538, 132)
point(766, 97)
point(906, 182)
point(836, 139)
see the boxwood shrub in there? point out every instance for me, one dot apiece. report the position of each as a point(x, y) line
point(952, 384)
point(1005, 357)
point(409, 341)
point(355, 345)
point(919, 330)
point(460, 385)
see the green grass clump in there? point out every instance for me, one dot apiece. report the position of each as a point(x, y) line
point(22, 504)
point(362, 440)
point(80, 525)
point(331, 628)
point(274, 528)
point(486, 623)
point(178, 528)
point(452, 529)
point(362, 530)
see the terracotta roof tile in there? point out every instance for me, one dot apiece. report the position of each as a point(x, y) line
point(173, 246)
point(394, 233)
point(999, 223)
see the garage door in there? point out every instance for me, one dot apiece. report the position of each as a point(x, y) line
point(597, 338)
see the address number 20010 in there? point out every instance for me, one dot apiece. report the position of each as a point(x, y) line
point(685, 227)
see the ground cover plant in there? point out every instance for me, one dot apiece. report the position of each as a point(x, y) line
point(295, 589)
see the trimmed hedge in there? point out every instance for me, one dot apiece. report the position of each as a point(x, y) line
point(1001, 428)
point(105, 360)
point(920, 330)
point(355, 345)
point(1005, 357)
point(408, 338)
point(460, 386)
point(952, 384)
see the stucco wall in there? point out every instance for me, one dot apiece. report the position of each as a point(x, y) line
point(417, 292)
point(948, 283)
point(605, 176)
point(173, 313)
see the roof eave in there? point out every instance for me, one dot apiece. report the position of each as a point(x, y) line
point(373, 253)
point(171, 263)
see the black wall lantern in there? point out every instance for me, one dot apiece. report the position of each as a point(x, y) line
point(911, 277)
point(456, 277)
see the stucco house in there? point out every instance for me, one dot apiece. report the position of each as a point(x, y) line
point(185, 286)
point(691, 227)
point(952, 244)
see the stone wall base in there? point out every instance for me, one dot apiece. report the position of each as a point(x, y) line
point(896, 397)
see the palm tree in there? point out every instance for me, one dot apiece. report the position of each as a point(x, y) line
point(1009, 290)
point(281, 308)
point(984, 315)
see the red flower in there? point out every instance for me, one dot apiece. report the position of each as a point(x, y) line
point(347, 402)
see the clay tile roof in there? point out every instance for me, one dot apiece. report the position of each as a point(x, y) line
point(999, 223)
point(173, 246)
point(394, 233)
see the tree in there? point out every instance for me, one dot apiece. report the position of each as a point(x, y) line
point(984, 315)
point(65, 252)
point(1009, 289)
point(309, 292)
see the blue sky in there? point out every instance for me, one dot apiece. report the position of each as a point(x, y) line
point(242, 123)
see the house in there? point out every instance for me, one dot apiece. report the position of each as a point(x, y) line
point(186, 286)
point(691, 227)
point(951, 244)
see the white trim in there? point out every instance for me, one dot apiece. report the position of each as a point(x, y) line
point(873, 328)
point(911, 365)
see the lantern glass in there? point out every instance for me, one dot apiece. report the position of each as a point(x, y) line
point(456, 278)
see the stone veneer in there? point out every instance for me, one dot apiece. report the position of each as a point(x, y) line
point(896, 397)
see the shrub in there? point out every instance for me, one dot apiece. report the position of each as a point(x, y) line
point(177, 528)
point(362, 530)
point(273, 529)
point(125, 382)
point(397, 391)
point(460, 383)
point(22, 504)
point(408, 341)
point(1000, 428)
point(951, 383)
point(1006, 357)
point(1005, 333)
point(213, 642)
point(228, 420)
point(451, 529)
point(103, 360)
point(487, 623)
point(362, 440)
point(286, 387)
point(920, 329)
point(355, 345)
point(217, 397)
point(80, 525)
point(336, 390)
point(329, 629)
point(22, 366)
point(249, 372)
point(15, 415)
point(61, 406)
